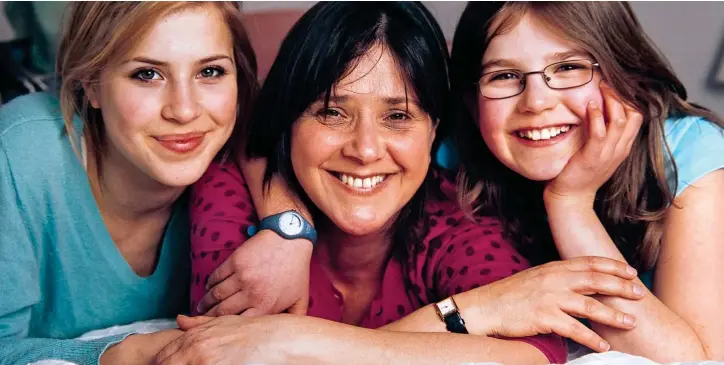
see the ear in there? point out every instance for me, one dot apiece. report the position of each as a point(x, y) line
point(92, 94)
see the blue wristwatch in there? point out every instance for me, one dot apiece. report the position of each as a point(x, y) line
point(290, 225)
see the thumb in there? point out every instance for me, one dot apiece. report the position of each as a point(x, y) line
point(186, 323)
point(253, 312)
point(300, 307)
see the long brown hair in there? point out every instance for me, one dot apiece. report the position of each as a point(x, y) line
point(98, 34)
point(632, 204)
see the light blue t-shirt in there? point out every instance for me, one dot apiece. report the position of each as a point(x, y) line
point(697, 147)
point(61, 273)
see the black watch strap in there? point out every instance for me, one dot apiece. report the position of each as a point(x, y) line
point(455, 323)
point(449, 312)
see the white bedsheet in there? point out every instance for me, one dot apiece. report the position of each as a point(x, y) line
point(607, 358)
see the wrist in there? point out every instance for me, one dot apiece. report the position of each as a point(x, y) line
point(553, 200)
point(296, 245)
point(473, 307)
point(290, 225)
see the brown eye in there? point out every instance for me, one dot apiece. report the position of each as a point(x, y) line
point(146, 75)
point(399, 116)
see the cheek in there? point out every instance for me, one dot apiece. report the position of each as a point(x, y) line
point(493, 117)
point(220, 100)
point(312, 145)
point(128, 109)
point(576, 100)
point(412, 151)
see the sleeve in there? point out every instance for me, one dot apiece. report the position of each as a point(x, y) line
point(20, 290)
point(474, 254)
point(221, 212)
point(697, 146)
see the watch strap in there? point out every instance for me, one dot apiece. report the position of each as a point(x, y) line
point(272, 223)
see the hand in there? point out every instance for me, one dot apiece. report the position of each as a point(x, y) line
point(232, 340)
point(544, 299)
point(139, 349)
point(603, 153)
point(266, 275)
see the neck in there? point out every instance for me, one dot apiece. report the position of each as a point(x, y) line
point(353, 260)
point(127, 197)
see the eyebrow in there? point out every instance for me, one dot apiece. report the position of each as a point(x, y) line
point(553, 58)
point(156, 62)
point(394, 100)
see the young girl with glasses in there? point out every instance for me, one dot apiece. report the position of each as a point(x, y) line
point(565, 159)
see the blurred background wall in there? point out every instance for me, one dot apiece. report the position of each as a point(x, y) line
point(689, 34)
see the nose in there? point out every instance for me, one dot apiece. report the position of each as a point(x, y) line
point(181, 105)
point(366, 145)
point(537, 96)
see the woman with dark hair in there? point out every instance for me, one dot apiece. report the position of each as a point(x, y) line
point(347, 119)
point(601, 156)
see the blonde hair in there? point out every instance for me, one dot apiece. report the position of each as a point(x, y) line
point(98, 34)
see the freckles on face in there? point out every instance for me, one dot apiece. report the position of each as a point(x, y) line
point(536, 132)
point(362, 159)
point(170, 104)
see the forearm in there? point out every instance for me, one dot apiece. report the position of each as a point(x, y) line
point(426, 318)
point(335, 343)
point(278, 199)
point(28, 350)
point(660, 334)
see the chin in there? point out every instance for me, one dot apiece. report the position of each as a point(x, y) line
point(359, 226)
point(540, 173)
point(179, 177)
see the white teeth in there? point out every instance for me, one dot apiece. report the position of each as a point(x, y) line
point(363, 183)
point(536, 135)
point(543, 133)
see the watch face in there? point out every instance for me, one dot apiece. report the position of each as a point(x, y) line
point(291, 224)
point(446, 307)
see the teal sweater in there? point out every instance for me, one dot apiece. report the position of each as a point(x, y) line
point(61, 274)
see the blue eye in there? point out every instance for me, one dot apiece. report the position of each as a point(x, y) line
point(211, 72)
point(504, 76)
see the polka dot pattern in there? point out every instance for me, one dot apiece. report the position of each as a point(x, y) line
point(455, 255)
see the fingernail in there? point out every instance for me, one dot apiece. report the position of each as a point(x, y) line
point(198, 308)
point(593, 104)
point(629, 320)
point(621, 120)
point(604, 345)
point(631, 270)
point(603, 84)
point(638, 290)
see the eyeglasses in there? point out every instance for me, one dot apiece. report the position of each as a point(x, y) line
point(504, 84)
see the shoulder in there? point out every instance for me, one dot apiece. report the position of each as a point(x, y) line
point(29, 109)
point(36, 152)
point(220, 175)
point(697, 148)
point(32, 128)
point(221, 187)
point(452, 232)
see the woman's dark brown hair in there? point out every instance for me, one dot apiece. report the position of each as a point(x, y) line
point(632, 204)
